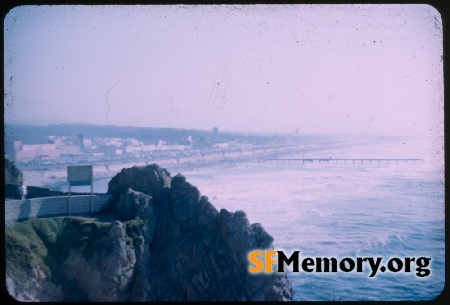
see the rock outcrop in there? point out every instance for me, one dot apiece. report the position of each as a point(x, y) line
point(12, 174)
point(134, 204)
point(168, 244)
point(37, 289)
point(151, 180)
point(109, 270)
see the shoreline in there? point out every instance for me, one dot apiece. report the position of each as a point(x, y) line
point(50, 176)
point(55, 176)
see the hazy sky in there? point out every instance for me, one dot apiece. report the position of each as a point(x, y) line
point(373, 69)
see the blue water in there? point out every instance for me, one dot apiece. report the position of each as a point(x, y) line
point(343, 210)
point(351, 210)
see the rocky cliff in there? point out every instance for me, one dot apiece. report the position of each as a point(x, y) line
point(12, 174)
point(165, 243)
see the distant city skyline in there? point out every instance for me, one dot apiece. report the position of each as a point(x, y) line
point(316, 69)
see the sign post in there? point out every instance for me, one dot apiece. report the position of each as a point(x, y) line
point(80, 175)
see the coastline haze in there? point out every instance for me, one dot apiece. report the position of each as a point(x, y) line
point(368, 69)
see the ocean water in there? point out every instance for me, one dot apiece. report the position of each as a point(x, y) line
point(343, 210)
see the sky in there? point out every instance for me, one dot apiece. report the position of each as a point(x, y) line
point(310, 69)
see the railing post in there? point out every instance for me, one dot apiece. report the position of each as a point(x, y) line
point(68, 206)
point(92, 203)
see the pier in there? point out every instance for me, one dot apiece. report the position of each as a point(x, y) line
point(344, 160)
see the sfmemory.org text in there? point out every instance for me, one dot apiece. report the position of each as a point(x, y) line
point(263, 261)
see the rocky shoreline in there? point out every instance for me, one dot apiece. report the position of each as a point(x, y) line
point(166, 242)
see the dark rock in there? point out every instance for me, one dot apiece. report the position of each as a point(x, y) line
point(173, 245)
point(116, 231)
point(207, 214)
point(12, 174)
point(88, 228)
point(134, 204)
point(107, 275)
point(185, 199)
point(146, 179)
point(12, 191)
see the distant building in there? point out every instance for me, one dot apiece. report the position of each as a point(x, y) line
point(70, 150)
point(148, 147)
point(136, 149)
point(29, 152)
point(87, 143)
point(132, 149)
point(215, 131)
point(80, 142)
point(17, 145)
point(134, 142)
